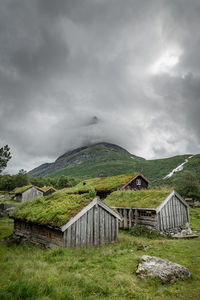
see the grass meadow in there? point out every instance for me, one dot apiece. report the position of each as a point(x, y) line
point(30, 272)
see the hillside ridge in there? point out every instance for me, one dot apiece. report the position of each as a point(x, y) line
point(101, 152)
point(105, 159)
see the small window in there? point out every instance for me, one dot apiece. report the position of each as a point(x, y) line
point(138, 182)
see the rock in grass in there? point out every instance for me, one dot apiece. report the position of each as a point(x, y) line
point(144, 247)
point(165, 270)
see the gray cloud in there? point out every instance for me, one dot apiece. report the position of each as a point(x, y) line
point(79, 72)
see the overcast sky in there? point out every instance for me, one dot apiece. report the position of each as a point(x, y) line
point(74, 72)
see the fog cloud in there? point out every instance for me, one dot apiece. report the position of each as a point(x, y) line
point(76, 72)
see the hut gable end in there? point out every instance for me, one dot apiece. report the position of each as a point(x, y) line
point(96, 202)
point(175, 194)
point(96, 225)
point(27, 193)
point(30, 194)
point(173, 212)
point(138, 182)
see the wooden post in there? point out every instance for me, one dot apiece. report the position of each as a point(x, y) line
point(117, 226)
point(64, 239)
point(125, 219)
point(136, 217)
point(122, 222)
point(129, 218)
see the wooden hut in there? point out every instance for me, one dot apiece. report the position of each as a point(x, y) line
point(27, 193)
point(106, 185)
point(161, 209)
point(48, 190)
point(66, 221)
point(190, 202)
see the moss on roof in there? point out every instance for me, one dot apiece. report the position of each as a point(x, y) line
point(102, 184)
point(46, 188)
point(54, 210)
point(137, 199)
point(22, 189)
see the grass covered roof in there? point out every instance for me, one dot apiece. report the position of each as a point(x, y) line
point(46, 188)
point(55, 210)
point(102, 183)
point(22, 189)
point(137, 199)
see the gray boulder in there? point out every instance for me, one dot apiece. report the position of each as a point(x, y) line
point(165, 270)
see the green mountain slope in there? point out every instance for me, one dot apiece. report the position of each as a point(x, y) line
point(101, 153)
point(105, 159)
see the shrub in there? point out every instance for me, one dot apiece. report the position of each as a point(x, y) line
point(142, 230)
point(92, 193)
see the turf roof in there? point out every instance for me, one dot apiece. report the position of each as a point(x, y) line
point(46, 188)
point(55, 210)
point(22, 189)
point(137, 199)
point(102, 184)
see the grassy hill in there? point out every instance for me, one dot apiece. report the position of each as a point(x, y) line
point(103, 159)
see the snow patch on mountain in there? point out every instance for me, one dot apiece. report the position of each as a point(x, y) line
point(178, 169)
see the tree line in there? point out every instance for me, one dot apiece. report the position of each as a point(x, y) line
point(10, 182)
point(185, 183)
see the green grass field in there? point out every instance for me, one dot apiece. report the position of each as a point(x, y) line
point(195, 218)
point(108, 272)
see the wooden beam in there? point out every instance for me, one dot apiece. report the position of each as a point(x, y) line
point(136, 217)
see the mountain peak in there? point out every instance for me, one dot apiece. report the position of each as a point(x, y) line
point(97, 153)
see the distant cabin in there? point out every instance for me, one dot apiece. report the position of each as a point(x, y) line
point(161, 209)
point(138, 182)
point(106, 185)
point(48, 190)
point(190, 202)
point(27, 193)
point(66, 221)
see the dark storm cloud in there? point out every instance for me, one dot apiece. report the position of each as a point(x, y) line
point(76, 72)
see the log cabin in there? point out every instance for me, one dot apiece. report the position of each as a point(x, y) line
point(27, 193)
point(48, 190)
point(161, 209)
point(106, 185)
point(62, 220)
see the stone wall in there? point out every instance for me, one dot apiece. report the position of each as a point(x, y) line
point(6, 208)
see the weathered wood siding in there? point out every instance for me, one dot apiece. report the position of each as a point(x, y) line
point(96, 227)
point(134, 186)
point(132, 217)
point(38, 234)
point(174, 214)
point(31, 194)
point(49, 192)
point(28, 195)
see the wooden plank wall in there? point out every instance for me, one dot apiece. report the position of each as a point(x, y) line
point(173, 215)
point(94, 228)
point(38, 234)
point(132, 217)
point(31, 194)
